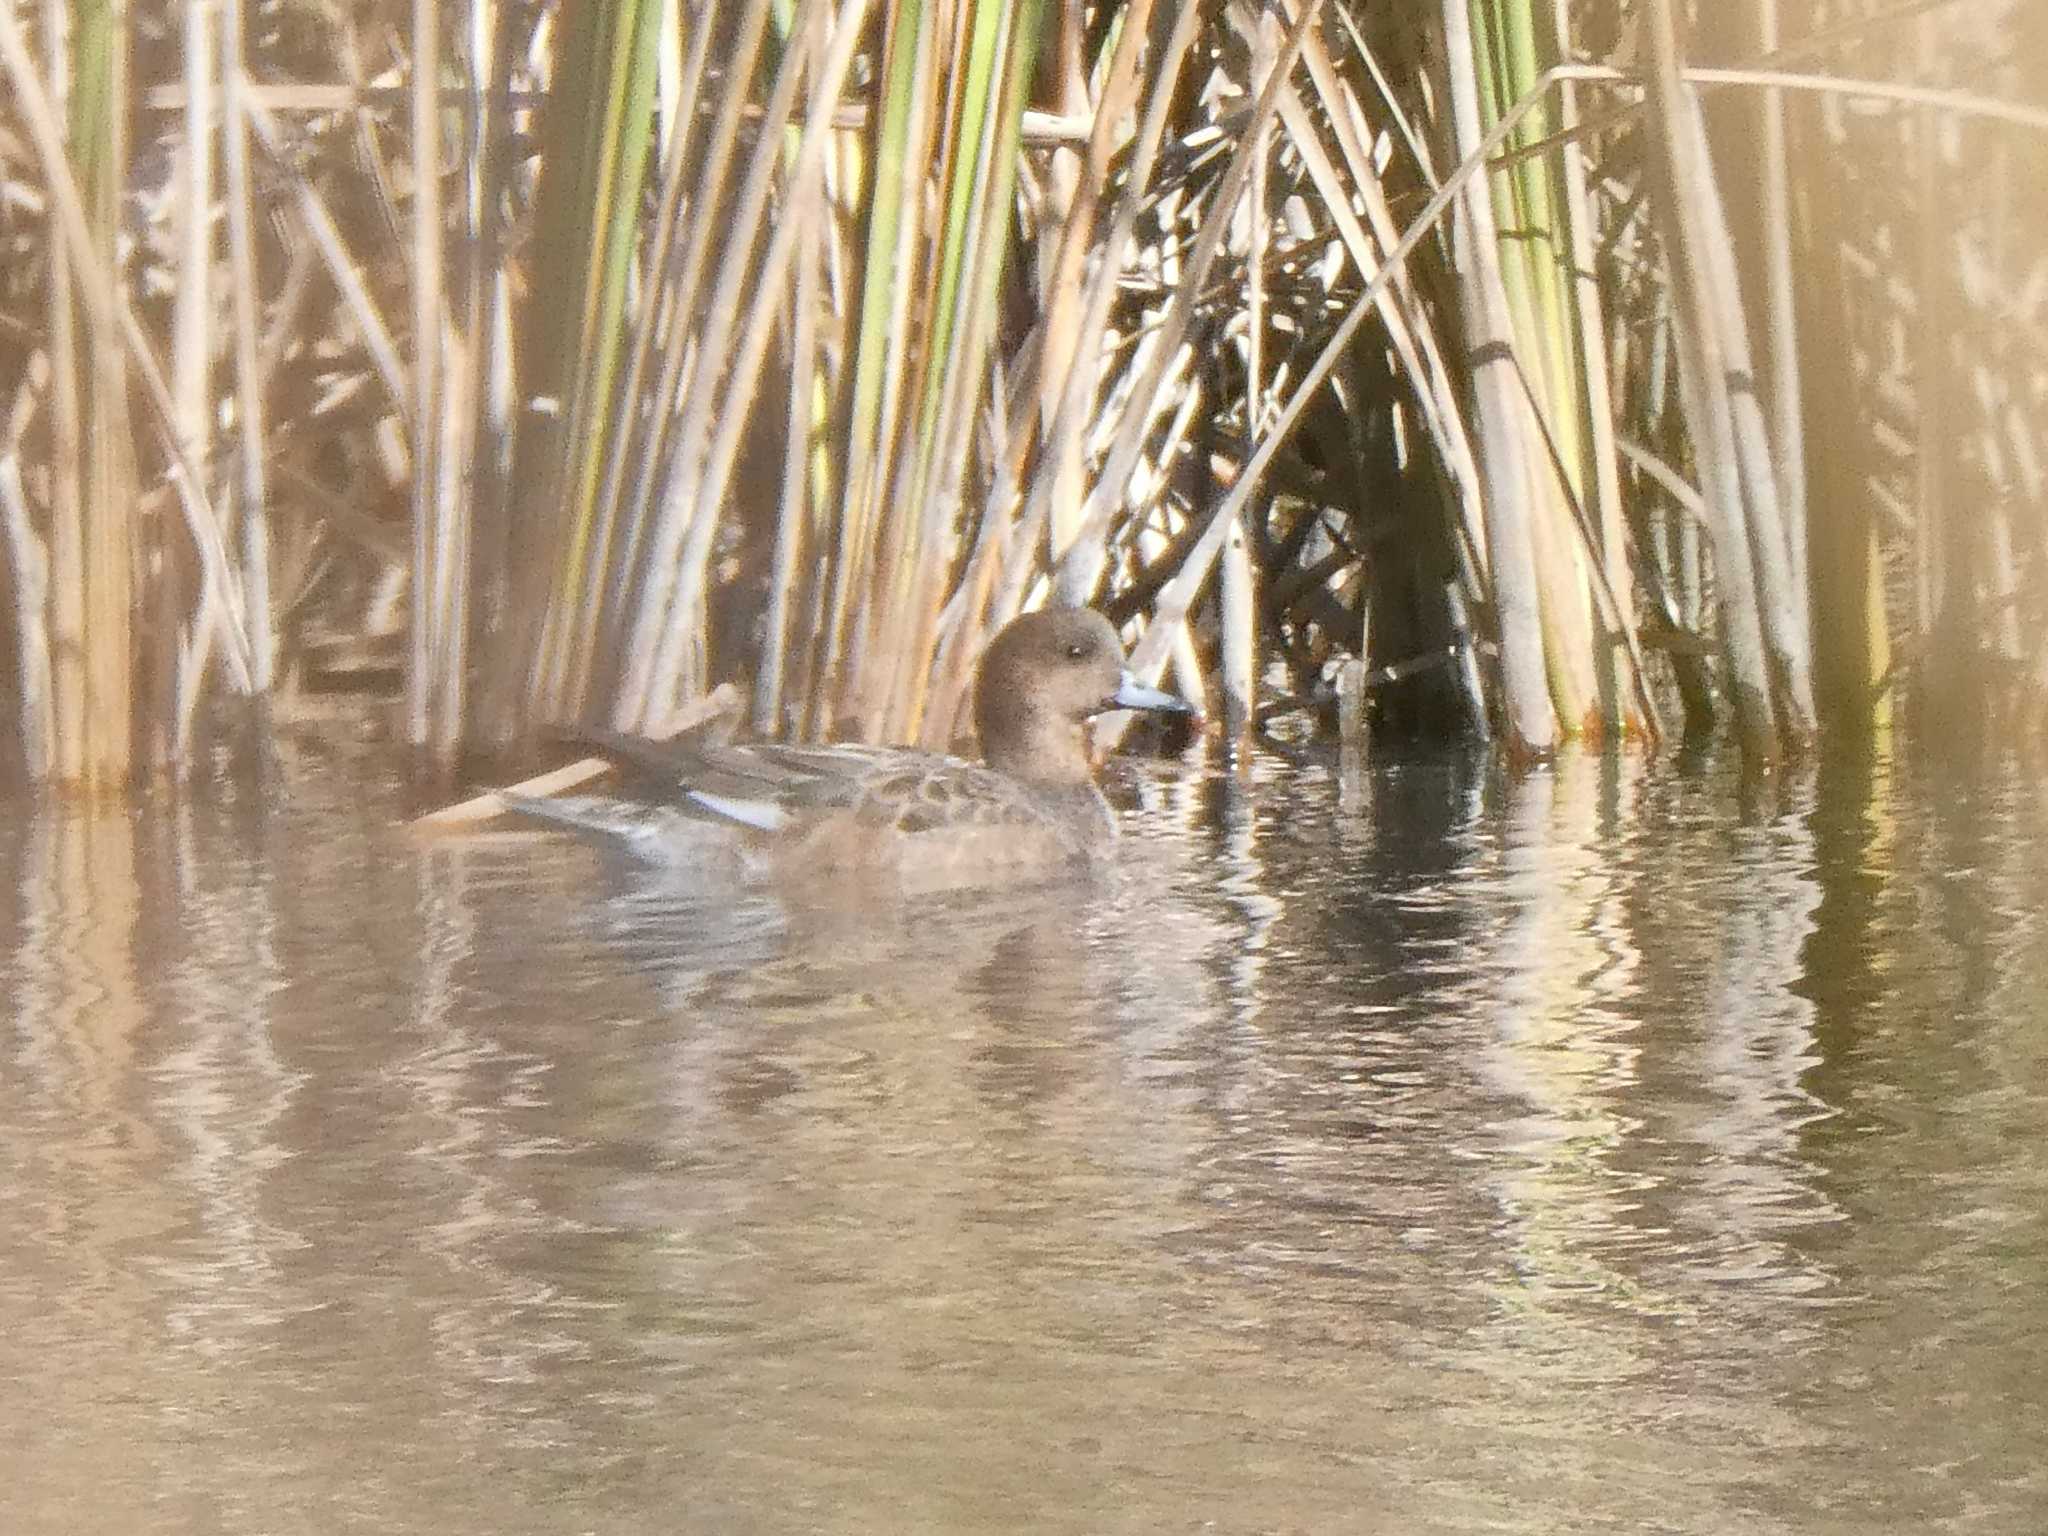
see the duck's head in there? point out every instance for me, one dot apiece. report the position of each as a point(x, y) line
point(1044, 677)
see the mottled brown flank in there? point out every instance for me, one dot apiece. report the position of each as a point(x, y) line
point(952, 824)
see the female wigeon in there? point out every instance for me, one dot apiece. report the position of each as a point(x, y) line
point(924, 817)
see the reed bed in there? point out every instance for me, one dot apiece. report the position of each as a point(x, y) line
point(1541, 371)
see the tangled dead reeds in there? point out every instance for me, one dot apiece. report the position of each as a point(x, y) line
point(1497, 367)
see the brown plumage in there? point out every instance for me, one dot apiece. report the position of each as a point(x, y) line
point(925, 817)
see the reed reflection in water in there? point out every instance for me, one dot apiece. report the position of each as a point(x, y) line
point(1391, 1146)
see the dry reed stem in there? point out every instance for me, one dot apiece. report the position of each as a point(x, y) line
point(1703, 385)
point(115, 322)
point(28, 565)
point(1080, 568)
point(706, 491)
point(249, 370)
point(659, 629)
point(1526, 705)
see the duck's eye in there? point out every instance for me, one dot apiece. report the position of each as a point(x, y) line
point(1076, 649)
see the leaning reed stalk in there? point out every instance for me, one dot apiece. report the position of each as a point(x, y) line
point(1407, 321)
point(347, 277)
point(1178, 593)
point(607, 570)
point(1080, 387)
point(793, 512)
point(640, 458)
point(1006, 556)
point(1065, 346)
point(885, 683)
point(87, 284)
point(1783, 606)
point(1203, 539)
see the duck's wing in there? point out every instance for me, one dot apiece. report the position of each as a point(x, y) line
point(773, 787)
point(769, 786)
point(701, 773)
point(655, 770)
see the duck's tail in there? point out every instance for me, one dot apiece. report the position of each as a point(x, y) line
point(652, 833)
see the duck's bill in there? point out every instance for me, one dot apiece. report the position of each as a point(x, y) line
point(1132, 694)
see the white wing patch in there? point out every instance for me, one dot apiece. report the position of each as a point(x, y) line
point(764, 814)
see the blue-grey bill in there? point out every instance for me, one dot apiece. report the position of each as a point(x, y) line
point(1132, 694)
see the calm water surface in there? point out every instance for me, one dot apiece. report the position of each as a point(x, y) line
point(1403, 1150)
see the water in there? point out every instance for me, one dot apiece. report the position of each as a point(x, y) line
point(1405, 1150)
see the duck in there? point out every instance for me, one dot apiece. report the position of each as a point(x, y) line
point(925, 819)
